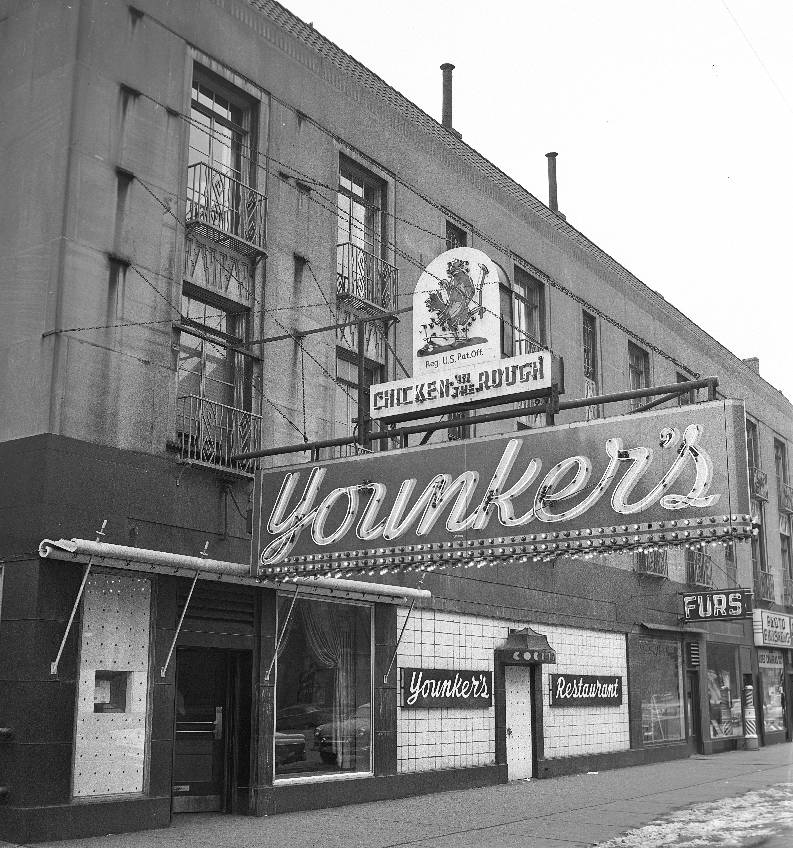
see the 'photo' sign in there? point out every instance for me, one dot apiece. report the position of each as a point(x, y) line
point(724, 605)
point(667, 477)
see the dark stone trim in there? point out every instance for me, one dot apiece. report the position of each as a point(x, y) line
point(612, 760)
point(774, 737)
point(80, 820)
point(336, 793)
point(384, 707)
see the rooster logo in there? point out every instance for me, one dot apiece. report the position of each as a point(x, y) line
point(454, 309)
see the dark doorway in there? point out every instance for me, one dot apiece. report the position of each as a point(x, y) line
point(693, 713)
point(212, 736)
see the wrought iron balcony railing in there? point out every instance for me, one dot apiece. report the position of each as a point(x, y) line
point(210, 433)
point(787, 591)
point(525, 343)
point(758, 483)
point(591, 390)
point(699, 569)
point(225, 209)
point(785, 497)
point(651, 562)
point(764, 586)
point(365, 278)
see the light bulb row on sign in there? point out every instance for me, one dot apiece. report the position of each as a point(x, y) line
point(523, 549)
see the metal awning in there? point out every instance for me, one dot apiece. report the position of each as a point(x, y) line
point(670, 628)
point(525, 647)
point(163, 562)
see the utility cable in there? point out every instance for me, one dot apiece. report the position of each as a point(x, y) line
point(257, 155)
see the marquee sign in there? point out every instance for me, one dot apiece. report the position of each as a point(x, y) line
point(438, 687)
point(724, 605)
point(586, 690)
point(667, 477)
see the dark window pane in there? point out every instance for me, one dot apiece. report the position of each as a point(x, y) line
point(323, 721)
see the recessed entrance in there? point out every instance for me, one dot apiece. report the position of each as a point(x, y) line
point(212, 730)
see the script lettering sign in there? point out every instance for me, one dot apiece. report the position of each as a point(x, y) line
point(585, 690)
point(440, 687)
point(665, 477)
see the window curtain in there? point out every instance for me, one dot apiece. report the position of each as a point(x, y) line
point(331, 642)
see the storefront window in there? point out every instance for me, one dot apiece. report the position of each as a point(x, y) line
point(772, 695)
point(323, 722)
point(724, 692)
point(660, 685)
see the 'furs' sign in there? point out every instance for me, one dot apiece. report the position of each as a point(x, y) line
point(667, 476)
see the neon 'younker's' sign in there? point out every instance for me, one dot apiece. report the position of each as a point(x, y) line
point(570, 477)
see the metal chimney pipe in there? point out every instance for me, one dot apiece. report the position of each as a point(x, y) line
point(446, 115)
point(553, 200)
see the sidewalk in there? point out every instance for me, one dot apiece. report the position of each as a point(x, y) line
point(579, 810)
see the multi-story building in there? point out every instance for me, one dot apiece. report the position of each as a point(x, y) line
point(188, 189)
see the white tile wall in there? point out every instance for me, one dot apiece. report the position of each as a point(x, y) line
point(458, 738)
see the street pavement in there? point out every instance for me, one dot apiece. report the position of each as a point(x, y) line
point(564, 812)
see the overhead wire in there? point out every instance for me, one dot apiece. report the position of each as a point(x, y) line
point(255, 157)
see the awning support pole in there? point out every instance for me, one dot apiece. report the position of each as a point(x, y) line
point(281, 634)
point(54, 665)
point(396, 647)
point(164, 669)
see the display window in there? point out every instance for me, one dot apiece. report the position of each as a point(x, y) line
point(772, 690)
point(323, 708)
point(659, 682)
point(724, 694)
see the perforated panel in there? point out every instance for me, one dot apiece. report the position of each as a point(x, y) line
point(110, 746)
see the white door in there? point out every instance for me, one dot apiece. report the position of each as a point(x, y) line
point(518, 686)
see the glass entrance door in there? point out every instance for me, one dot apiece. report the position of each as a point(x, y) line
point(200, 744)
point(694, 722)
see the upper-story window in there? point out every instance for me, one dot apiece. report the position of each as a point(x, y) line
point(752, 445)
point(220, 192)
point(590, 351)
point(780, 461)
point(522, 314)
point(638, 371)
point(360, 202)
point(455, 236)
point(590, 347)
point(218, 132)
point(214, 417)
point(362, 272)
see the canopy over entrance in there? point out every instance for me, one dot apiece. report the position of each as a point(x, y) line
point(525, 647)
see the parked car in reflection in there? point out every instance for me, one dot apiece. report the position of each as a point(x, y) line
point(289, 748)
point(354, 731)
point(301, 716)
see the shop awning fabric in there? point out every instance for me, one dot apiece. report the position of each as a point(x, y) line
point(162, 562)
